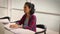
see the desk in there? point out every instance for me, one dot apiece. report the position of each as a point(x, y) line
point(18, 30)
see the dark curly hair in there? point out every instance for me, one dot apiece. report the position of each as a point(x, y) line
point(30, 5)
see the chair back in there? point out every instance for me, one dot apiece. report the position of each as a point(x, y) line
point(6, 18)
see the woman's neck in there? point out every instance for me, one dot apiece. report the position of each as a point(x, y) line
point(28, 15)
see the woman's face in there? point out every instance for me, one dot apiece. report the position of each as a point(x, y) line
point(26, 9)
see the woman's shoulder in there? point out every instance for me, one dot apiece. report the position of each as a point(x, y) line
point(33, 16)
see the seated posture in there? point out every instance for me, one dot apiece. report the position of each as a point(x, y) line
point(29, 19)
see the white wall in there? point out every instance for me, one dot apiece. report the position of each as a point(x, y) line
point(3, 11)
point(16, 14)
point(49, 6)
point(51, 21)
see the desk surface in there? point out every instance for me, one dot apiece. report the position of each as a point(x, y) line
point(21, 30)
point(18, 30)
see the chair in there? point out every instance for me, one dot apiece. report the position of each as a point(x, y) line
point(6, 18)
point(41, 26)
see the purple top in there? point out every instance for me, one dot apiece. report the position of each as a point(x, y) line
point(31, 22)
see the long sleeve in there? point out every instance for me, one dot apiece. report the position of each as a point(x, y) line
point(21, 21)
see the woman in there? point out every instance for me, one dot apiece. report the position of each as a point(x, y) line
point(28, 20)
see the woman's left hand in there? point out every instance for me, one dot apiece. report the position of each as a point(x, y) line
point(20, 26)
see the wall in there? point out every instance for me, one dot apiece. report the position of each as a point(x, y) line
point(3, 10)
point(48, 6)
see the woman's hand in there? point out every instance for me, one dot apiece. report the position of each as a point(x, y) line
point(14, 26)
point(21, 26)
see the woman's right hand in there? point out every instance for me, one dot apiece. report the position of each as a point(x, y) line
point(14, 26)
